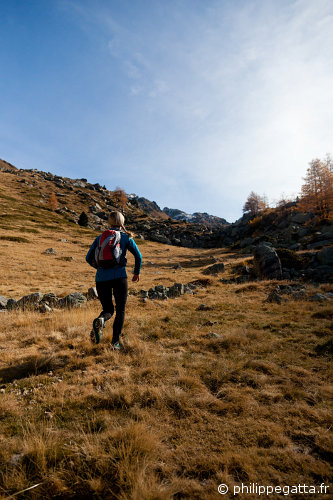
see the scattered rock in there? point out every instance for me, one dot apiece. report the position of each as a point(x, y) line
point(274, 296)
point(50, 299)
point(215, 268)
point(12, 304)
point(75, 299)
point(210, 323)
point(44, 308)
point(204, 307)
point(3, 302)
point(213, 335)
point(49, 251)
point(32, 300)
point(319, 297)
point(176, 290)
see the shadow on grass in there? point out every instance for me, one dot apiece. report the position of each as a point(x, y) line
point(34, 365)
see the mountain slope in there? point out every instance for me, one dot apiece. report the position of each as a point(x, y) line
point(196, 217)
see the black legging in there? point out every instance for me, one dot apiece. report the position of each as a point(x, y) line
point(119, 288)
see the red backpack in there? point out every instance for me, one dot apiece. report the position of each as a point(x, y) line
point(108, 251)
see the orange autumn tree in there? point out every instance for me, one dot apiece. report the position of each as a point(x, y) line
point(254, 204)
point(317, 191)
point(53, 202)
point(120, 197)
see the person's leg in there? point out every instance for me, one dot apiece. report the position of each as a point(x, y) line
point(104, 291)
point(120, 288)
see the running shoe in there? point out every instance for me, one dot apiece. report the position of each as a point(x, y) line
point(116, 346)
point(96, 332)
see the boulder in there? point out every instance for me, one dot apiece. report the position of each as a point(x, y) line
point(3, 302)
point(50, 251)
point(246, 242)
point(176, 290)
point(301, 218)
point(325, 256)
point(213, 335)
point(319, 297)
point(215, 268)
point(50, 299)
point(274, 296)
point(44, 308)
point(160, 238)
point(102, 215)
point(75, 299)
point(92, 293)
point(79, 184)
point(161, 289)
point(177, 266)
point(319, 244)
point(12, 304)
point(32, 300)
point(267, 262)
point(203, 307)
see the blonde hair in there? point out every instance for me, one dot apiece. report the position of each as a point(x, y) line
point(117, 219)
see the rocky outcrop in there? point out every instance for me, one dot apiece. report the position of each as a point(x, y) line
point(283, 228)
point(196, 217)
point(325, 256)
point(288, 227)
point(267, 262)
point(150, 207)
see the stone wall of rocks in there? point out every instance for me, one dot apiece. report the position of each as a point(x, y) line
point(285, 293)
point(162, 292)
point(48, 301)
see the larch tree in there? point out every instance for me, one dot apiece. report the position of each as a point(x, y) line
point(254, 204)
point(120, 197)
point(317, 190)
point(53, 202)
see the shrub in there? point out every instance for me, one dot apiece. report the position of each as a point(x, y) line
point(120, 197)
point(53, 202)
point(290, 259)
point(83, 220)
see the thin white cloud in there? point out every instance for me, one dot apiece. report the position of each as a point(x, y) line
point(233, 96)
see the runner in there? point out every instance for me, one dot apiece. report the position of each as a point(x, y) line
point(108, 255)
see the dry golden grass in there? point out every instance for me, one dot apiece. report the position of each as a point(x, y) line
point(179, 410)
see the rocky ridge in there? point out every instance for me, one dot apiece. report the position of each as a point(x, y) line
point(196, 218)
point(284, 228)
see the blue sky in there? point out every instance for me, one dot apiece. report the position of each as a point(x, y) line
point(190, 103)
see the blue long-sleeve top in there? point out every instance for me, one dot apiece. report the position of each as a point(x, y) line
point(118, 271)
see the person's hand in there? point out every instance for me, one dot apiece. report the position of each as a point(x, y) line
point(136, 277)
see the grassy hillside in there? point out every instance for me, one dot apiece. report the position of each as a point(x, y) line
point(215, 387)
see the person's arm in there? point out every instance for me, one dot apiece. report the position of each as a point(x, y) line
point(132, 247)
point(91, 254)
